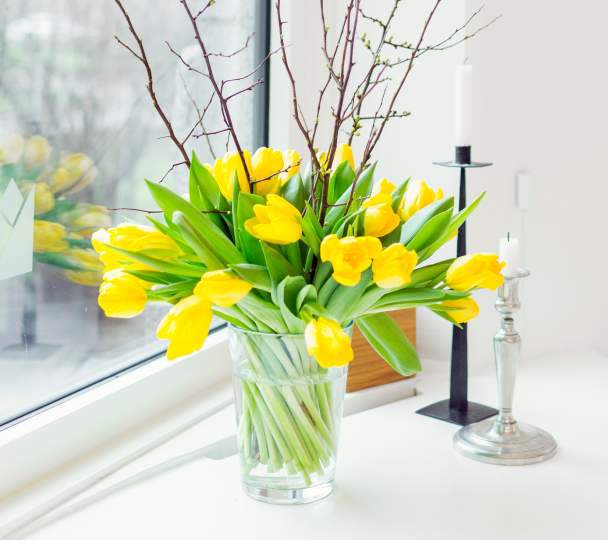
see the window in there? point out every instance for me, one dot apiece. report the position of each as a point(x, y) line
point(78, 135)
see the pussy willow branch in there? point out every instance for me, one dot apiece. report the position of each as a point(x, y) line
point(150, 86)
point(216, 86)
point(172, 167)
point(376, 135)
point(234, 53)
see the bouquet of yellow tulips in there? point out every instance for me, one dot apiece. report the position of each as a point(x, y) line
point(62, 229)
point(256, 254)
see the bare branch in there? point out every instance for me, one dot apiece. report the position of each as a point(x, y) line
point(279, 172)
point(255, 70)
point(234, 53)
point(184, 62)
point(217, 88)
point(206, 134)
point(150, 86)
point(259, 81)
point(172, 167)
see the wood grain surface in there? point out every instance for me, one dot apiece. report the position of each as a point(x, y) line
point(368, 368)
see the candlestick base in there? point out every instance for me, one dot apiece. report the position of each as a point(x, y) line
point(504, 443)
point(473, 413)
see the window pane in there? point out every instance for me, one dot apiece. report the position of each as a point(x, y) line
point(78, 134)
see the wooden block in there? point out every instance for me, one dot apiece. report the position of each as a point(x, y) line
point(368, 368)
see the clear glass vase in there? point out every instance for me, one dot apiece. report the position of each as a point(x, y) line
point(289, 410)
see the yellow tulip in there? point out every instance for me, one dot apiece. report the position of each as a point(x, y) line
point(11, 148)
point(74, 173)
point(481, 270)
point(37, 151)
point(277, 222)
point(121, 296)
point(393, 267)
point(379, 216)
point(96, 218)
point(120, 272)
point(163, 244)
point(223, 171)
point(343, 153)
point(290, 157)
point(266, 162)
point(49, 237)
point(465, 315)
point(90, 259)
point(125, 234)
point(221, 288)
point(43, 198)
point(328, 343)
point(384, 186)
point(417, 196)
point(349, 256)
point(186, 325)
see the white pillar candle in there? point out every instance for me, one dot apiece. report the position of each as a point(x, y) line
point(464, 105)
point(508, 254)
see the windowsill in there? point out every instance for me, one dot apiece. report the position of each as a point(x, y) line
point(391, 461)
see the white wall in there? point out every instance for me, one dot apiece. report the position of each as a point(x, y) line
point(539, 82)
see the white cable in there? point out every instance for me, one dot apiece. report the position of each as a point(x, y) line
point(33, 515)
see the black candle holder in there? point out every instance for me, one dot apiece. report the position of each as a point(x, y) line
point(458, 409)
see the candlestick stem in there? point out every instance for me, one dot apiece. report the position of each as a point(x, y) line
point(504, 441)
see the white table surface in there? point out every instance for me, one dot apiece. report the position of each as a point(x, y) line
point(398, 477)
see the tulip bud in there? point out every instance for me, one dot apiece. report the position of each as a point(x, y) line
point(11, 148)
point(343, 153)
point(290, 157)
point(349, 256)
point(266, 162)
point(277, 222)
point(464, 315)
point(475, 271)
point(48, 237)
point(121, 297)
point(37, 151)
point(384, 186)
point(90, 259)
point(96, 218)
point(74, 173)
point(186, 325)
point(380, 219)
point(221, 288)
point(417, 196)
point(156, 244)
point(393, 267)
point(43, 198)
point(328, 343)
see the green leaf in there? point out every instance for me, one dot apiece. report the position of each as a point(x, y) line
point(340, 181)
point(174, 235)
point(455, 224)
point(154, 277)
point(278, 266)
point(205, 180)
point(268, 313)
point(252, 249)
point(393, 237)
point(413, 225)
point(307, 294)
point(61, 207)
point(344, 297)
point(258, 276)
point(431, 231)
point(410, 295)
point(79, 243)
point(324, 270)
point(169, 202)
point(293, 192)
point(294, 256)
point(310, 236)
point(61, 261)
point(287, 294)
point(236, 191)
point(245, 206)
point(389, 341)
point(182, 286)
point(306, 180)
point(210, 256)
point(180, 269)
point(398, 193)
point(314, 221)
point(327, 290)
point(446, 316)
point(362, 189)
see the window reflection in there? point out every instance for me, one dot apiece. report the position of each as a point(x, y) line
point(78, 135)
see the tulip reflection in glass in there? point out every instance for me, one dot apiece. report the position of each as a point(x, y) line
point(62, 229)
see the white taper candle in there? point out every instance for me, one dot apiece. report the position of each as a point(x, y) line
point(509, 254)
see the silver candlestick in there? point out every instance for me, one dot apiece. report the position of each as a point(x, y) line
point(503, 440)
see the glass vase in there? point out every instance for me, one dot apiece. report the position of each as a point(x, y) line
point(288, 411)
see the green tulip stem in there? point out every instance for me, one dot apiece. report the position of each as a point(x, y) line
point(295, 355)
point(257, 423)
